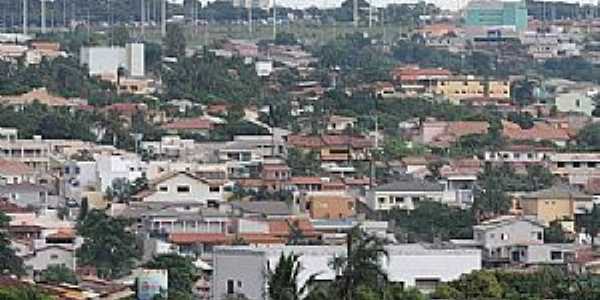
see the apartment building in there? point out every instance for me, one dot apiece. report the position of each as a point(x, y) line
point(577, 168)
point(35, 153)
point(463, 87)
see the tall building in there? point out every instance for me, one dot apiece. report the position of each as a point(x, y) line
point(494, 13)
point(262, 4)
point(105, 61)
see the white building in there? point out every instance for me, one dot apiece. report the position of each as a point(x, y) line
point(238, 269)
point(182, 187)
point(113, 166)
point(106, 61)
point(404, 194)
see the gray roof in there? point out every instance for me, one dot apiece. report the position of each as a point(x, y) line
point(506, 220)
point(146, 209)
point(263, 207)
point(410, 184)
point(559, 191)
point(22, 188)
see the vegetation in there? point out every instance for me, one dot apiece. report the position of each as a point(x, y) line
point(182, 274)
point(432, 220)
point(9, 262)
point(22, 293)
point(108, 245)
point(283, 282)
point(56, 274)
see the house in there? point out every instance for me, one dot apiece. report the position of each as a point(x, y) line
point(459, 178)
point(404, 194)
point(264, 209)
point(25, 194)
point(42, 96)
point(40, 259)
point(410, 265)
point(338, 124)
point(328, 205)
point(421, 79)
point(519, 155)
point(275, 176)
point(540, 131)
point(182, 187)
point(113, 166)
point(199, 125)
point(15, 172)
point(577, 100)
point(35, 152)
point(460, 87)
point(576, 168)
point(516, 240)
point(445, 133)
point(334, 148)
point(555, 203)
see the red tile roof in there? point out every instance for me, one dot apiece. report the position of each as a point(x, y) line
point(281, 228)
point(189, 124)
point(14, 167)
point(540, 131)
point(304, 141)
point(306, 180)
point(192, 238)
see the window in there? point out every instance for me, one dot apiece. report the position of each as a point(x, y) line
point(350, 205)
point(576, 164)
point(239, 284)
point(504, 236)
point(381, 200)
point(517, 155)
point(214, 189)
point(554, 255)
point(577, 103)
point(77, 170)
point(183, 188)
point(66, 170)
point(540, 236)
point(591, 164)
point(560, 164)
point(426, 284)
point(230, 287)
point(398, 199)
point(163, 188)
point(529, 155)
point(492, 236)
point(54, 256)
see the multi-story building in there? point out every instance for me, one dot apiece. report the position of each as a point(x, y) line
point(558, 202)
point(404, 194)
point(577, 168)
point(494, 13)
point(35, 153)
point(464, 87)
point(410, 265)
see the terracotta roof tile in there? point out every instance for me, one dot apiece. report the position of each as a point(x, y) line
point(189, 124)
point(10, 167)
point(540, 131)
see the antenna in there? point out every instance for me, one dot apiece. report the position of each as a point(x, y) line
point(249, 4)
point(25, 21)
point(370, 14)
point(43, 8)
point(64, 13)
point(274, 20)
point(142, 16)
point(355, 13)
point(163, 17)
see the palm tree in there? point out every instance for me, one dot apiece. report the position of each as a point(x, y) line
point(284, 280)
point(362, 266)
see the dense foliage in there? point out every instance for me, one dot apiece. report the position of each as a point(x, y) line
point(9, 262)
point(182, 274)
point(108, 245)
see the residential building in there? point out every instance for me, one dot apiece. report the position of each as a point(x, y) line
point(170, 146)
point(337, 124)
point(25, 194)
point(404, 194)
point(42, 96)
point(328, 205)
point(516, 240)
point(334, 147)
point(494, 13)
point(446, 133)
point(578, 100)
point(576, 168)
point(235, 267)
point(106, 61)
point(519, 155)
point(35, 153)
point(183, 187)
point(457, 88)
point(558, 202)
point(198, 125)
point(15, 172)
point(541, 131)
point(459, 178)
point(111, 166)
point(40, 259)
point(262, 4)
point(419, 79)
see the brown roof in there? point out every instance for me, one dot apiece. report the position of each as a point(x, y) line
point(275, 167)
point(40, 94)
point(307, 141)
point(306, 180)
point(540, 131)
point(10, 167)
point(11, 208)
point(189, 124)
point(192, 238)
point(279, 227)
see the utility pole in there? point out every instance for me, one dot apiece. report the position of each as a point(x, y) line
point(142, 17)
point(355, 13)
point(370, 14)
point(64, 3)
point(250, 19)
point(43, 13)
point(274, 20)
point(25, 21)
point(163, 16)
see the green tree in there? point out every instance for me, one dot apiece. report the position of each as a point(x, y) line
point(303, 163)
point(119, 35)
point(591, 223)
point(556, 234)
point(479, 285)
point(588, 137)
point(9, 262)
point(174, 41)
point(22, 293)
point(182, 274)
point(490, 197)
point(284, 283)
point(361, 266)
point(56, 274)
point(108, 245)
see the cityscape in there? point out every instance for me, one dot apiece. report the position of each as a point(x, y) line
point(299, 150)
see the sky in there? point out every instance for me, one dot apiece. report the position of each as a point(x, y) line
point(445, 4)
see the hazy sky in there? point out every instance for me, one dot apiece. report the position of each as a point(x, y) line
point(448, 4)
